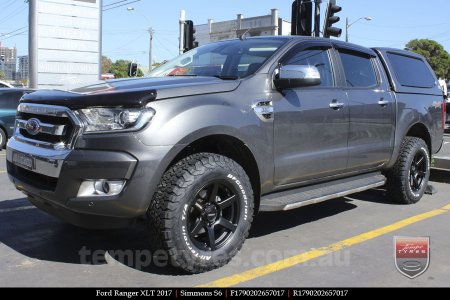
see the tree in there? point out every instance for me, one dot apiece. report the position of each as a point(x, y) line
point(2, 75)
point(437, 57)
point(106, 64)
point(120, 69)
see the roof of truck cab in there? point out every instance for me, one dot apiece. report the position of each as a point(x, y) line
point(336, 43)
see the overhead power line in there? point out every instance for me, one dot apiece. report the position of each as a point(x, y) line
point(6, 34)
point(114, 3)
point(113, 7)
point(19, 33)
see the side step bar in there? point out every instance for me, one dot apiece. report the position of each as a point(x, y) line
point(296, 198)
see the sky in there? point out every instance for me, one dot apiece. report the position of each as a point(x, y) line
point(125, 34)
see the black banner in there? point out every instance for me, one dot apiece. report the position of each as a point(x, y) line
point(221, 293)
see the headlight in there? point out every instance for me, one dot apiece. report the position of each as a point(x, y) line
point(101, 119)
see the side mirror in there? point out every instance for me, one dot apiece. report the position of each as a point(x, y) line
point(293, 76)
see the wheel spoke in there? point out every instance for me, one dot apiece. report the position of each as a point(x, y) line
point(227, 224)
point(415, 181)
point(212, 192)
point(227, 202)
point(212, 238)
point(419, 161)
point(197, 227)
point(411, 179)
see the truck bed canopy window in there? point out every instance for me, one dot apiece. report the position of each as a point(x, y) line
point(411, 71)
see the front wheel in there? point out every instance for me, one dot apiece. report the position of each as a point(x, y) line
point(408, 179)
point(202, 211)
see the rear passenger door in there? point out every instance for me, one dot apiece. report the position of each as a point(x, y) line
point(371, 131)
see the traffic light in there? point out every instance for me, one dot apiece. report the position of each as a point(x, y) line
point(189, 36)
point(331, 19)
point(301, 17)
point(132, 69)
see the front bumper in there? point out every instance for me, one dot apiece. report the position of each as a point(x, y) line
point(54, 182)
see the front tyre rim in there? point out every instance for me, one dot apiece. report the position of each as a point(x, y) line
point(213, 217)
point(418, 172)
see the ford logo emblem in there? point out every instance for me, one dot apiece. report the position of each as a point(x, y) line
point(33, 126)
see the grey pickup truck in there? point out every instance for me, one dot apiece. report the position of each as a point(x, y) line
point(224, 131)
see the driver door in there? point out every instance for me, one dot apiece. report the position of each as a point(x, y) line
point(311, 124)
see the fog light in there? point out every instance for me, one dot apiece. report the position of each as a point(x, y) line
point(96, 188)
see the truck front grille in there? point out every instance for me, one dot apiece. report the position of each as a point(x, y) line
point(46, 126)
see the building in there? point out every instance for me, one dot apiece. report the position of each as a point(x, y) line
point(8, 62)
point(254, 26)
point(24, 68)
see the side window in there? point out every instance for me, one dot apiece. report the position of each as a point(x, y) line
point(359, 70)
point(317, 57)
point(411, 72)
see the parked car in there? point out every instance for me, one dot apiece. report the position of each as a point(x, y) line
point(268, 124)
point(9, 100)
point(448, 104)
point(5, 85)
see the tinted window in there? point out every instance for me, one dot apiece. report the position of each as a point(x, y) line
point(10, 99)
point(358, 68)
point(411, 72)
point(317, 57)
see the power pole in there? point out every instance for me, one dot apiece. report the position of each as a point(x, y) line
point(182, 23)
point(346, 29)
point(150, 51)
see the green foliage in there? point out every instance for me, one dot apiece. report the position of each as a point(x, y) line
point(2, 75)
point(120, 69)
point(437, 57)
point(106, 64)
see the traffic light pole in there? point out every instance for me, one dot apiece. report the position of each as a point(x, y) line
point(317, 18)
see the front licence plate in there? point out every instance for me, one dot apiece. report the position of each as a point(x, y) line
point(23, 160)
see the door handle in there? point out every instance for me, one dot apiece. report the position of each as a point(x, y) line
point(383, 102)
point(336, 105)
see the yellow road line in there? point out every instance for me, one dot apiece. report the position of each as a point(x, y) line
point(306, 256)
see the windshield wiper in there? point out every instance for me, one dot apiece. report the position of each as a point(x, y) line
point(227, 77)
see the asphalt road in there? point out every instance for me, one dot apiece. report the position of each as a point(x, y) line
point(39, 250)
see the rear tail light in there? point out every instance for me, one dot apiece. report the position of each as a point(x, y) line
point(444, 114)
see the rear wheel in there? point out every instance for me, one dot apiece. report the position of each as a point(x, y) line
point(3, 139)
point(408, 179)
point(202, 212)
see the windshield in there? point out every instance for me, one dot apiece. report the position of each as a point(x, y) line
point(227, 60)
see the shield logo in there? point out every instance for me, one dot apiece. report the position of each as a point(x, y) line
point(412, 255)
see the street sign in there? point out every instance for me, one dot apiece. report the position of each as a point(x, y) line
point(65, 43)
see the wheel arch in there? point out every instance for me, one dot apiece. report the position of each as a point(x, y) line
point(227, 145)
point(415, 129)
point(419, 130)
